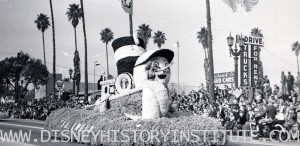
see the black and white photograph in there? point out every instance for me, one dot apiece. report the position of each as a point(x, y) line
point(149, 73)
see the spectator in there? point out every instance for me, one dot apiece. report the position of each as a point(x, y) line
point(290, 82)
point(266, 80)
point(271, 110)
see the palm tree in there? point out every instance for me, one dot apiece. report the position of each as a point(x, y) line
point(53, 40)
point(256, 32)
point(106, 36)
point(296, 49)
point(42, 23)
point(202, 38)
point(85, 56)
point(74, 15)
point(159, 38)
point(210, 69)
point(144, 32)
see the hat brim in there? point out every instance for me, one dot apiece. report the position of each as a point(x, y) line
point(166, 53)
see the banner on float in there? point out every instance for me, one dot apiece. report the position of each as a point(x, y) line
point(224, 78)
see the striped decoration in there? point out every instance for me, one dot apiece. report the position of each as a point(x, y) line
point(127, 50)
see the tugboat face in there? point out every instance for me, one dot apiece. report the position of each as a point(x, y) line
point(159, 70)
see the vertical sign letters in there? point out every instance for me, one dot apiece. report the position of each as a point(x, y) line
point(249, 69)
point(244, 66)
point(254, 65)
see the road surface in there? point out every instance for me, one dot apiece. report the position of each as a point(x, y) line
point(247, 141)
point(34, 127)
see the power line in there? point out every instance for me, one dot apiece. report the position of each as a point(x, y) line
point(282, 60)
point(69, 68)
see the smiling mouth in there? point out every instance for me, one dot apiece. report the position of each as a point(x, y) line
point(161, 76)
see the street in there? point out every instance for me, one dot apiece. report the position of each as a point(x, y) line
point(33, 127)
point(247, 141)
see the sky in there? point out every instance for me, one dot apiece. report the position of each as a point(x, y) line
point(180, 20)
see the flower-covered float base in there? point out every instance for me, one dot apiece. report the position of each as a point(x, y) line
point(114, 119)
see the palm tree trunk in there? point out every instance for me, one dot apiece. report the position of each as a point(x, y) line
point(107, 68)
point(53, 40)
point(206, 67)
point(44, 49)
point(130, 25)
point(297, 64)
point(85, 56)
point(75, 38)
point(210, 55)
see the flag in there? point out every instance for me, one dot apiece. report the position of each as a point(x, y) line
point(248, 4)
point(127, 6)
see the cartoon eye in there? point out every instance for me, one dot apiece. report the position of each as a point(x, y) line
point(167, 63)
point(155, 64)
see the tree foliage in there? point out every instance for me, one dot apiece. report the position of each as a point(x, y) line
point(74, 14)
point(256, 32)
point(22, 70)
point(144, 32)
point(202, 37)
point(42, 22)
point(106, 35)
point(296, 48)
point(159, 38)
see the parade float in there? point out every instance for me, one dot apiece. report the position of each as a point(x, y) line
point(137, 100)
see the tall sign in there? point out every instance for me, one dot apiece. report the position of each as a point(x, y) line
point(254, 65)
point(249, 63)
point(244, 66)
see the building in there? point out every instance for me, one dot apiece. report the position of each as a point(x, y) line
point(49, 86)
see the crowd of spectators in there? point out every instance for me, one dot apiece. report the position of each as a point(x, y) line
point(237, 108)
point(38, 109)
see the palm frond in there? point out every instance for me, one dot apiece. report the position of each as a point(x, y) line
point(256, 32)
point(42, 22)
point(74, 14)
point(144, 32)
point(296, 48)
point(202, 37)
point(106, 35)
point(159, 38)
